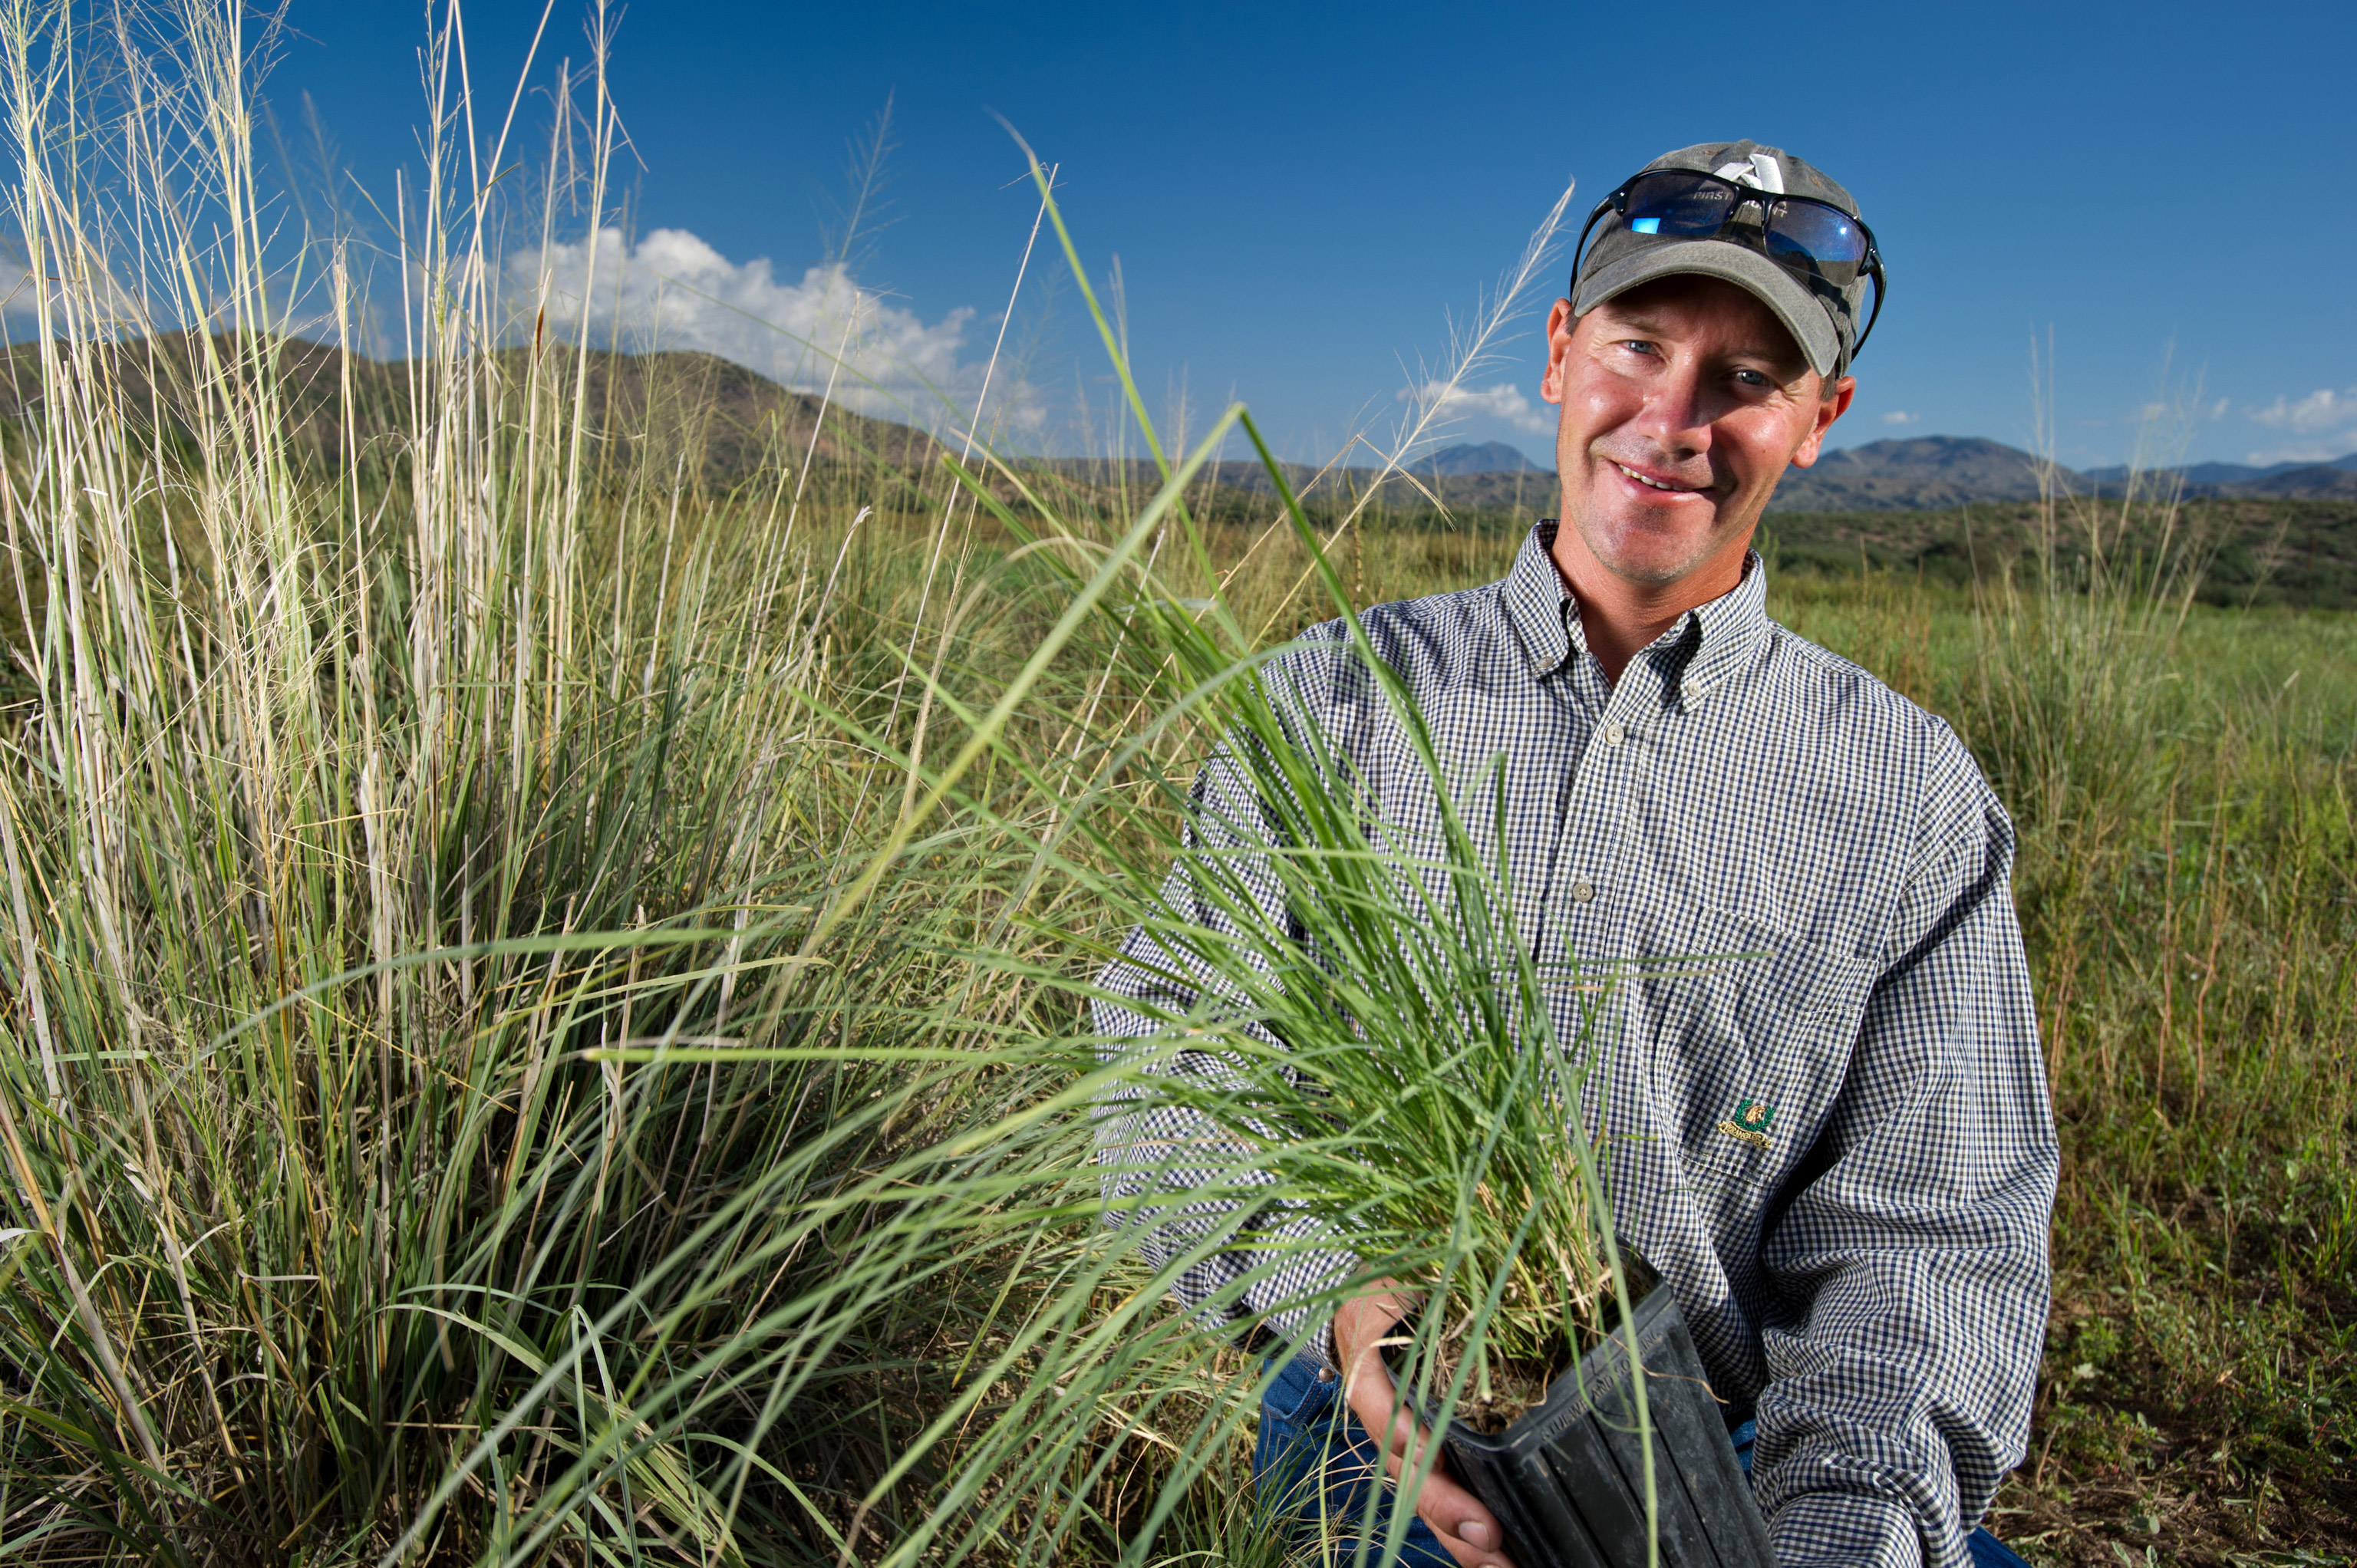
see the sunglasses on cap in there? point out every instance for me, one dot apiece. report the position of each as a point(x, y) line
point(1813, 239)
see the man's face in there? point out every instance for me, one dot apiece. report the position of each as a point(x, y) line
point(1683, 403)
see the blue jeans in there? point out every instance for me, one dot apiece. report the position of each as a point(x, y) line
point(1314, 1466)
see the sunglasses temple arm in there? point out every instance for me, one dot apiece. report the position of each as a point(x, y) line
point(1882, 284)
point(1580, 248)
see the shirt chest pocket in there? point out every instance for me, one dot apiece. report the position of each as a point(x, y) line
point(1749, 1040)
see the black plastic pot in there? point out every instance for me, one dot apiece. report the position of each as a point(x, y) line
point(1568, 1480)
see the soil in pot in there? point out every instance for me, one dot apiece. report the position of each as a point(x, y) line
point(1566, 1475)
point(1516, 1384)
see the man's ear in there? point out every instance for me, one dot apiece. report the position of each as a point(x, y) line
point(1560, 322)
point(1831, 403)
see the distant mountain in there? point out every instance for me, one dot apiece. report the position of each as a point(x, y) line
point(676, 412)
point(2315, 482)
point(2225, 473)
point(2335, 480)
point(1932, 473)
point(1926, 474)
point(1489, 458)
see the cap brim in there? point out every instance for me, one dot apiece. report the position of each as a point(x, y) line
point(1799, 310)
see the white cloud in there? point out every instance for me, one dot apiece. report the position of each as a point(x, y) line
point(2307, 452)
point(17, 292)
point(1503, 402)
point(1900, 416)
point(100, 308)
point(2322, 409)
point(671, 290)
point(2327, 418)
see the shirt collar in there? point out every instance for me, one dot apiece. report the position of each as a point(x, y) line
point(1709, 643)
point(1731, 627)
point(1537, 606)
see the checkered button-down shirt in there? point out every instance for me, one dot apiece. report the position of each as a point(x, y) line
point(1845, 1159)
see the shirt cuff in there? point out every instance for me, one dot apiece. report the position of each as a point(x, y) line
point(1292, 1326)
point(1846, 1530)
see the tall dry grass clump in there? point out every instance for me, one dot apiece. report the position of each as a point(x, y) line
point(540, 1012)
point(348, 815)
point(2080, 672)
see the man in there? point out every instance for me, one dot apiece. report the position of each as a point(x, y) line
point(1843, 1159)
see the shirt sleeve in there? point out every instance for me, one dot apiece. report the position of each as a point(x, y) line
point(1171, 1172)
point(1911, 1266)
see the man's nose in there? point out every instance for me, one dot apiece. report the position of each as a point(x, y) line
point(1678, 411)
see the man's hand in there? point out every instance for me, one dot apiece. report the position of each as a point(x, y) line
point(1470, 1530)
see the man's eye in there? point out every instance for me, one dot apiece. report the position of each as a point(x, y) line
point(1753, 379)
point(1638, 345)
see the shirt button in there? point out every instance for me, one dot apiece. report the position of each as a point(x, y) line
point(1614, 735)
point(1583, 891)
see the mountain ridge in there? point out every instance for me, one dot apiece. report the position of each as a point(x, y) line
point(1934, 473)
point(1466, 458)
point(677, 411)
point(2227, 473)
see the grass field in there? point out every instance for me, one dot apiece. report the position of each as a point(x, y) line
point(2291, 554)
point(539, 1005)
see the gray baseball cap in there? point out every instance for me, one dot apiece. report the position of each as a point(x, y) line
point(1821, 318)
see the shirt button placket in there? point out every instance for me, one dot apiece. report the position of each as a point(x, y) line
point(1609, 796)
point(1597, 795)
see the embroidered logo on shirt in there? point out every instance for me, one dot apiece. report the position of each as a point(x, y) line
point(1749, 1123)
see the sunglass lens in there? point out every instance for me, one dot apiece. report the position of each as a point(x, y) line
point(1677, 204)
point(1819, 239)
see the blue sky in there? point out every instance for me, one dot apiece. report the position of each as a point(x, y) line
point(1301, 198)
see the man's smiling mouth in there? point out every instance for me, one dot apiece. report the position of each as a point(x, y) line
point(1654, 484)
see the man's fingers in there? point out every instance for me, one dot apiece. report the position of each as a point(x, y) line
point(1466, 1528)
point(1470, 1555)
point(1469, 1529)
point(1458, 1517)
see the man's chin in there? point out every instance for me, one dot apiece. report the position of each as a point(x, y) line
point(1633, 561)
point(1651, 574)
point(1655, 551)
